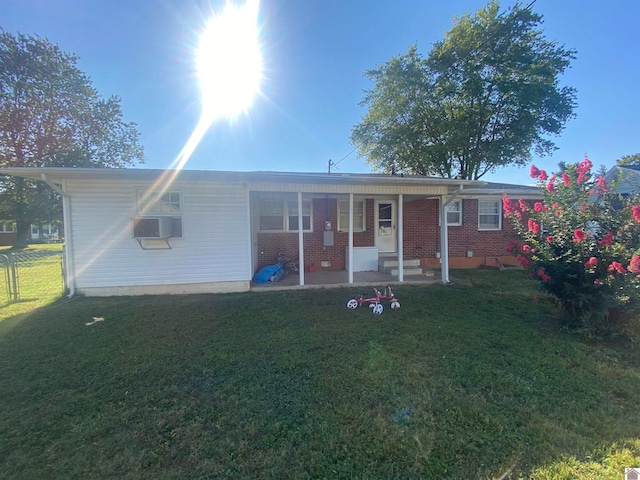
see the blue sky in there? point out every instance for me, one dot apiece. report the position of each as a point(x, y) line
point(315, 52)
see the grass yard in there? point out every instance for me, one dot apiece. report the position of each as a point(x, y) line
point(472, 380)
point(39, 276)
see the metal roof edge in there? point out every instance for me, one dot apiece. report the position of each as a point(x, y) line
point(62, 173)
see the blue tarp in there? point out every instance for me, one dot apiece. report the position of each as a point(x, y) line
point(270, 273)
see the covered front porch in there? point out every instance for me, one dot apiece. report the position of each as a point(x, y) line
point(337, 227)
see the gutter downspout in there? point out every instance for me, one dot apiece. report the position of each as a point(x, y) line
point(300, 240)
point(68, 237)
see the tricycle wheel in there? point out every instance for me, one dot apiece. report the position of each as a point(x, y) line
point(353, 303)
point(395, 304)
point(378, 309)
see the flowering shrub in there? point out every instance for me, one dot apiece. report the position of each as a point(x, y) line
point(582, 242)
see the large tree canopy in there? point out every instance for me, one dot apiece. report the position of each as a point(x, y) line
point(484, 97)
point(50, 115)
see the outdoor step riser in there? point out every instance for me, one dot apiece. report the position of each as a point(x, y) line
point(411, 263)
point(406, 271)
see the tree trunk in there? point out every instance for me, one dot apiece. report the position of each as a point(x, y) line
point(22, 234)
point(23, 225)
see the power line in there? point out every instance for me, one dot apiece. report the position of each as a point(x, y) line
point(333, 164)
point(339, 161)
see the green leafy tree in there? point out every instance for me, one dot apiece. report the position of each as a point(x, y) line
point(484, 97)
point(629, 159)
point(51, 116)
point(582, 242)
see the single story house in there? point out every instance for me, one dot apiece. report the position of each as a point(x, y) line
point(144, 231)
point(628, 177)
point(43, 233)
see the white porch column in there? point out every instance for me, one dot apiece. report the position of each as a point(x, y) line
point(400, 241)
point(444, 241)
point(300, 240)
point(350, 266)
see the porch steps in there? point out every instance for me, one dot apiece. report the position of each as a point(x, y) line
point(411, 266)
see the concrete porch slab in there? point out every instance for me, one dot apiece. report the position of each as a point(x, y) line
point(340, 278)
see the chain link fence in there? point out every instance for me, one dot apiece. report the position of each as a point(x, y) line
point(32, 275)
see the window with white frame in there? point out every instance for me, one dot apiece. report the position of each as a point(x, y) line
point(167, 204)
point(454, 213)
point(489, 215)
point(7, 227)
point(359, 209)
point(292, 212)
point(278, 215)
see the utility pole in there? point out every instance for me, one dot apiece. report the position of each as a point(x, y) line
point(331, 164)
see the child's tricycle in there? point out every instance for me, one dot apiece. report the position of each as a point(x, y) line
point(375, 302)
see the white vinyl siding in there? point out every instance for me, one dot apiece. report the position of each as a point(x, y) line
point(489, 215)
point(358, 216)
point(215, 247)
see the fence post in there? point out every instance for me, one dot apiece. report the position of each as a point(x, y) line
point(14, 276)
point(10, 277)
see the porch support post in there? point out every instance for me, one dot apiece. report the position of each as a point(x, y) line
point(350, 266)
point(300, 240)
point(444, 233)
point(400, 241)
point(444, 241)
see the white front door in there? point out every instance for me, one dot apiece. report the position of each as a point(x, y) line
point(386, 238)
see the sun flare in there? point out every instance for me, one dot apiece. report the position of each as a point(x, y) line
point(229, 61)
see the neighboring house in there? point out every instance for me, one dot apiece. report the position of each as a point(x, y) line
point(47, 232)
point(7, 233)
point(629, 178)
point(142, 231)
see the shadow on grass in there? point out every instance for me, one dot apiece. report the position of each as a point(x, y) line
point(462, 380)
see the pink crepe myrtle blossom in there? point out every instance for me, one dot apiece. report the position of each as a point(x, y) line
point(584, 169)
point(566, 179)
point(523, 205)
point(592, 262)
point(533, 226)
point(634, 266)
point(579, 235)
point(538, 207)
point(636, 213)
point(524, 261)
point(534, 171)
point(606, 240)
point(603, 186)
point(508, 206)
point(513, 245)
point(543, 175)
point(550, 239)
point(617, 267)
point(543, 276)
point(551, 186)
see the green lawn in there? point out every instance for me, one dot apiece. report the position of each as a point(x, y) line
point(472, 380)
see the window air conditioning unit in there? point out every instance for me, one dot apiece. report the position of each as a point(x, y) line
point(151, 227)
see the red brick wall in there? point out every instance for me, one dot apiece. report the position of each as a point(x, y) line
point(7, 239)
point(314, 250)
point(421, 237)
